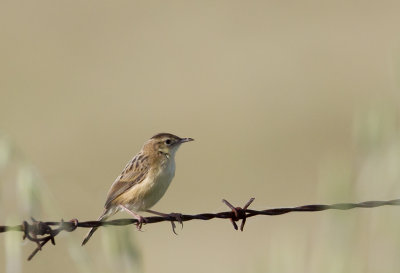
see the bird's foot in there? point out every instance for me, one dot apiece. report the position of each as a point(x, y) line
point(174, 217)
point(178, 218)
point(140, 221)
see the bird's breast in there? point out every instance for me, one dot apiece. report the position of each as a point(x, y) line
point(157, 184)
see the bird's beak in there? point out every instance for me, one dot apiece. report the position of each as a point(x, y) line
point(186, 139)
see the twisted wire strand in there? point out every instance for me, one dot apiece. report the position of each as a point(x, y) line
point(43, 232)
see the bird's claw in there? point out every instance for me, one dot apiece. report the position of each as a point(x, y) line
point(140, 221)
point(178, 218)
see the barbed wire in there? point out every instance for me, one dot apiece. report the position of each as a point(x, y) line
point(42, 232)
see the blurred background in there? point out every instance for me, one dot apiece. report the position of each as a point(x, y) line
point(292, 103)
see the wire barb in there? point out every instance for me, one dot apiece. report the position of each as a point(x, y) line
point(42, 232)
point(238, 213)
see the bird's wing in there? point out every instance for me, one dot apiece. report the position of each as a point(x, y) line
point(134, 173)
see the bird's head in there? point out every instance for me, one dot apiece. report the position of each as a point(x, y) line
point(166, 143)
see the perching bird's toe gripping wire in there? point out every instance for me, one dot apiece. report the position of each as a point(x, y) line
point(42, 232)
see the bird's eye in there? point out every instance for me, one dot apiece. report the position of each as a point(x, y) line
point(168, 142)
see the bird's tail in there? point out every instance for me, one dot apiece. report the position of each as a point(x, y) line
point(104, 216)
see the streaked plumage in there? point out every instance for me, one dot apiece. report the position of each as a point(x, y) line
point(145, 178)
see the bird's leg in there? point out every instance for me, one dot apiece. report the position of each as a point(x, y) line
point(177, 216)
point(140, 218)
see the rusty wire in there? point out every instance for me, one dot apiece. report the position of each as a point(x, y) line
point(42, 232)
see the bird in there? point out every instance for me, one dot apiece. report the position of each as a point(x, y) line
point(144, 180)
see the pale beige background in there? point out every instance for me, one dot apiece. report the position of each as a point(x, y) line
point(292, 102)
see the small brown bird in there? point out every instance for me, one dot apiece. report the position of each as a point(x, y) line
point(144, 180)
